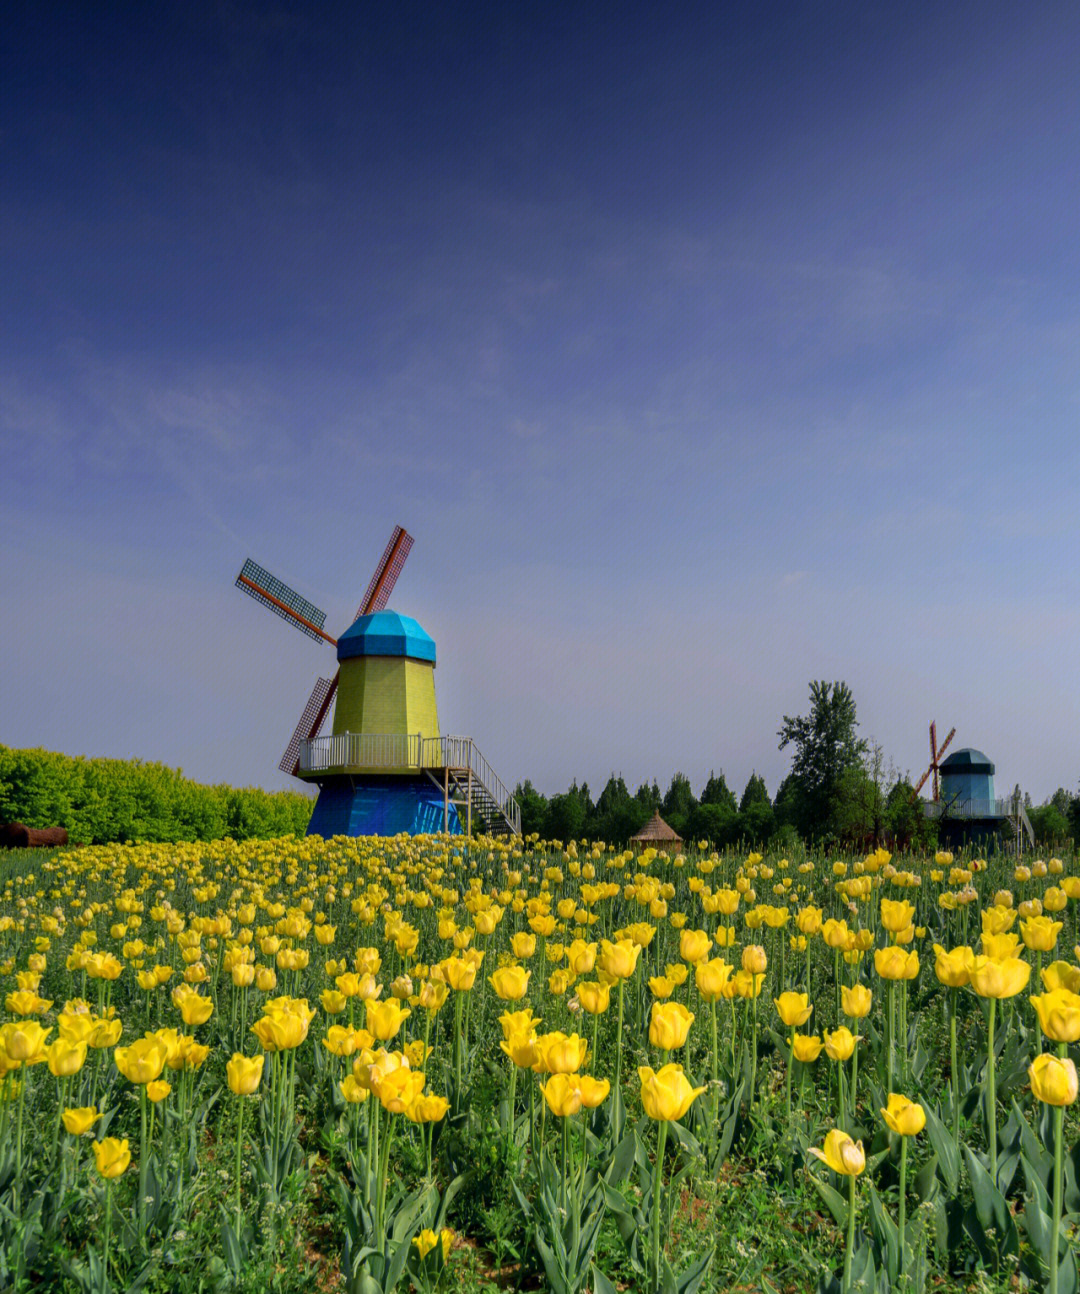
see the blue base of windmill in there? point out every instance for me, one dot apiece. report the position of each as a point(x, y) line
point(379, 806)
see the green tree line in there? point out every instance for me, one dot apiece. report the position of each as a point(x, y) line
point(838, 791)
point(100, 801)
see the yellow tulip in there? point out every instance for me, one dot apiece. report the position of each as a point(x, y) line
point(754, 960)
point(523, 944)
point(432, 995)
point(562, 1093)
point(581, 957)
point(333, 1002)
point(143, 1061)
point(842, 1154)
point(24, 1042)
point(840, 1044)
point(1061, 974)
point(460, 973)
point(746, 985)
point(521, 1048)
point(666, 1094)
point(953, 968)
point(694, 945)
point(660, 986)
point(384, 1019)
point(80, 1119)
point(244, 1073)
point(669, 1025)
point(65, 1058)
point(398, 1089)
point(428, 1109)
point(594, 1091)
point(807, 1047)
point(711, 976)
point(809, 920)
point(999, 979)
point(111, 1156)
point(510, 983)
point(793, 1008)
point(855, 1002)
point(196, 1009)
point(595, 998)
point(158, 1090)
point(1000, 946)
point(1040, 933)
point(905, 1117)
point(893, 963)
point(559, 1053)
point(279, 1031)
point(1059, 1014)
point(896, 915)
point(352, 1091)
point(835, 933)
point(1053, 1080)
point(620, 959)
point(516, 1021)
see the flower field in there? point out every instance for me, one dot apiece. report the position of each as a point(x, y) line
point(369, 1065)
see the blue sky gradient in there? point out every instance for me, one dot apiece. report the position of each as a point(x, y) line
point(703, 350)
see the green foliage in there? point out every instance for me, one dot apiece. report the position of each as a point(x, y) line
point(718, 792)
point(1050, 825)
point(101, 801)
point(826, 752)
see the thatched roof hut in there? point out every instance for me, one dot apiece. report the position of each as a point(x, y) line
point(658, 834)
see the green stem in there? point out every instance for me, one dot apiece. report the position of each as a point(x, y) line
point(458, 1004)
point(787, 1091)
point(891, 1025)
point(850, 1236)
point(657, 1176)
point(903, 1197)
point(239, 1144)
point(108, 1230)
point(142, 1160)
point(1055, 1229)
point(954, 1068)
point(991, 1093)
point(618, 1036)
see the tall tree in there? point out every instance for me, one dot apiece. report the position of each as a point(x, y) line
point(755, 792)
point(826, 750)
point(718, 792)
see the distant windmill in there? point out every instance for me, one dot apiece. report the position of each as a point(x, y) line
point(386, 767)
point(936, 753)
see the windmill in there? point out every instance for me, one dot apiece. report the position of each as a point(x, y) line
point(290, 606)
point(936, 753)
point(386, 767)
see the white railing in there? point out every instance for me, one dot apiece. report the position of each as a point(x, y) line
point(998, 808)
point(354, 751)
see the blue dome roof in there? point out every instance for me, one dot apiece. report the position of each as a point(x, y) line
point(386, 633)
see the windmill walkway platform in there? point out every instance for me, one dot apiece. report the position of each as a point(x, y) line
point(453, 764)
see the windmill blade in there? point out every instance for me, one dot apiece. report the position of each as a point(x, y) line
point(921, 782)
point(386, 573)
point(283, 601)
point(944, 745)
point(310, 722)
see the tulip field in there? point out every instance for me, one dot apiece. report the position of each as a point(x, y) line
point(421, 1064)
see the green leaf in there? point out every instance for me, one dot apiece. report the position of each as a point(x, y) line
point(834, 1201)
point(945, 1148)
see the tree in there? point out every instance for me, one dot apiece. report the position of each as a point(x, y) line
point(755, 792)
point(826, 749)
point(718, 792)
point(678, 804)
point(649, 797)
point(534, 807)
point(1049, 824)
point(618, 814)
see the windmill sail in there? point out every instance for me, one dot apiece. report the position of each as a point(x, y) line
point(310, 721)
point(282, 601)
point(386, 573)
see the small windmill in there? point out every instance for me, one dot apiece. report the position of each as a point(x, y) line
point(936, 753)
point(289, 605)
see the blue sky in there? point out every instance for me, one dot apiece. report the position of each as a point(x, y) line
point(704, 351)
